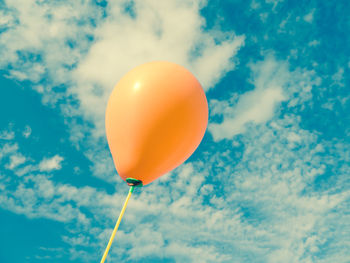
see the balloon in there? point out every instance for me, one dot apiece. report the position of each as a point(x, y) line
point(155, 119)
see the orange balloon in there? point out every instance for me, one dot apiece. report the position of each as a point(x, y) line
point(155, 119)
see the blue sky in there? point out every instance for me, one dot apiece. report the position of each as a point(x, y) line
point(270, 180)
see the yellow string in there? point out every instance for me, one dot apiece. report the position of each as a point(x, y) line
point(117, 225)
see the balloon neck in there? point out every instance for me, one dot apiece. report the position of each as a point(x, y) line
point(134, 182)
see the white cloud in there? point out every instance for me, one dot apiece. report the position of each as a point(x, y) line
point(272, 176)
point(49, 164)
point(314, 43)
point(256, 106)
point(310, 16)
point(37, 200)
point(7, 135)
point(5, 19)
point(27, 131)
point(15, 160)
point(37, 43)
point(338, 77)
point(274, 84)
point(7, 149)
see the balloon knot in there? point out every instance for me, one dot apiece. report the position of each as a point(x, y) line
point(134, 182)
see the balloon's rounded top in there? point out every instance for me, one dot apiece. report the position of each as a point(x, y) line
point(155, 119)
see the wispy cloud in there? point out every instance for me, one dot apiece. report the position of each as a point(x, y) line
point(310, 16)
point(274, 84)
point(27, 131)
point(256, 106)
point(7, 135)
point(49, 164)
point(8, 148)
point(16, 160)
